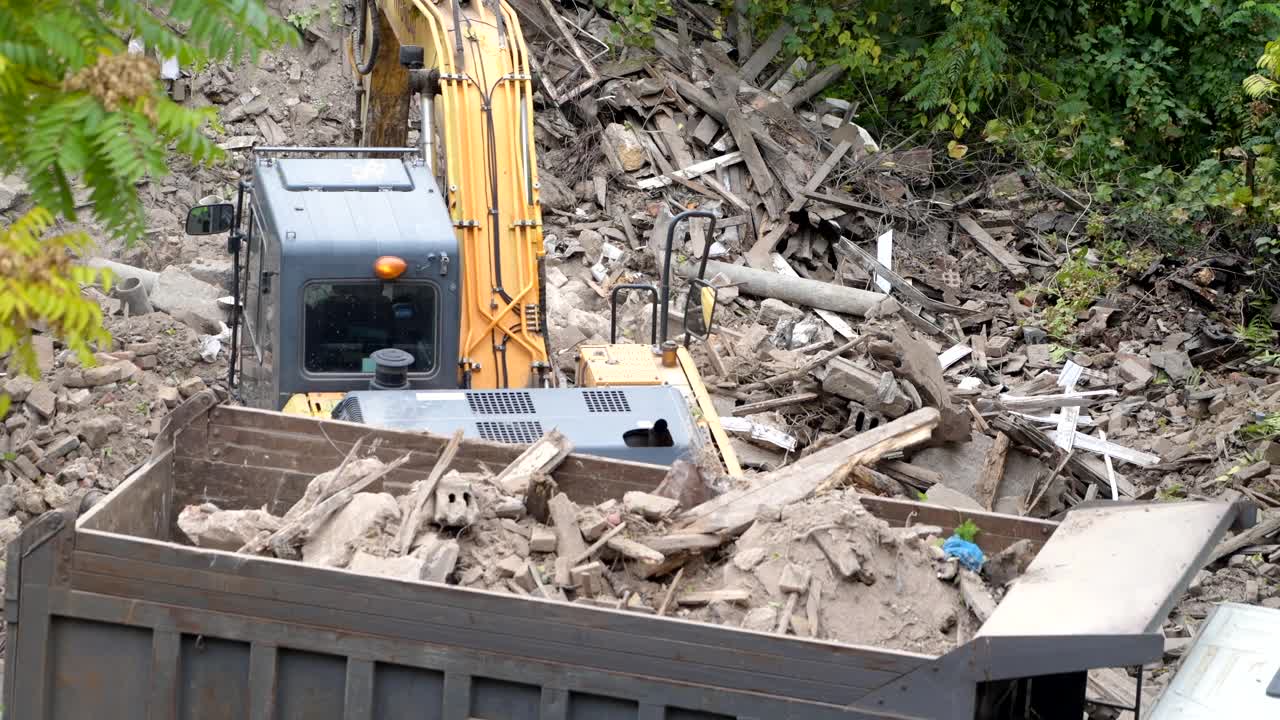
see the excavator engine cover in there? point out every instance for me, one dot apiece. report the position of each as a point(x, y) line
point(641, 424)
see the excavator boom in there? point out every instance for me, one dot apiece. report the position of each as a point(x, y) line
point(477, 131)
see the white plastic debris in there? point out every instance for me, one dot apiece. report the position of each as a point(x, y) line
point(211, 345)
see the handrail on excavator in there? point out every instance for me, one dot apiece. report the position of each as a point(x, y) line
point(258, 150)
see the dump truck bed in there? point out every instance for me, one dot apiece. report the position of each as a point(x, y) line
point(109, 616)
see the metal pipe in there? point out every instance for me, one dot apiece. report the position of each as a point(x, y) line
point(332, 150)
point(666, 261)
point(428, 131)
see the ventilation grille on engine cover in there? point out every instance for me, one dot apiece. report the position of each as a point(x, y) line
point(606, 401)
point(518, 432)
point(500, 403)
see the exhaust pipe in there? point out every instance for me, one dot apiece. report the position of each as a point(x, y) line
point(391, 369)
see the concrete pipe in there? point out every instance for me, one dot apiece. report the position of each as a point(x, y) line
point(120, 271)
point(133, 294)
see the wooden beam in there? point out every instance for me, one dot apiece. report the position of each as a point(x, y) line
point(691, 171)
point(774, 404)
point(813, 85)
point(851, 204)
point(735, 510)
point(993, 471)
point(1253, 536)
point(992, 247)
point(765, 54)
point(726, 92)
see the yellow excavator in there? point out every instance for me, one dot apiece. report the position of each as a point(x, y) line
point(404, 286)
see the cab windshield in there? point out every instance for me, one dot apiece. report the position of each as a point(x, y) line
point(345, 322)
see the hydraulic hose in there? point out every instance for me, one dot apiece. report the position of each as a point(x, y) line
point(368, 10)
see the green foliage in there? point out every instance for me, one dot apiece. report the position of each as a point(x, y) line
point(634, 19)
point(1137, 102)
point(303, 19)
point(75, 105)
point(77, 109)
point(1260, 337)
point(39, 282)
point(1265, 428)
point(968, 530)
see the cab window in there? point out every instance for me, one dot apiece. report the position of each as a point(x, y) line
point(345, 322)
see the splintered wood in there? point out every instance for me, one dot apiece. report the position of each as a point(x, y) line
point(797, 481)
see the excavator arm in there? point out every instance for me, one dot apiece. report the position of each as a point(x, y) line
point(477, 103)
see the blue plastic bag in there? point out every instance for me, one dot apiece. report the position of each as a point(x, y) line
point(970, 555)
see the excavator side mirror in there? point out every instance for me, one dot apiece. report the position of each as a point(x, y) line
point(211, 219)
point(699, 310)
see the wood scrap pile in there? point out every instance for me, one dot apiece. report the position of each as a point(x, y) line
point(851, 289)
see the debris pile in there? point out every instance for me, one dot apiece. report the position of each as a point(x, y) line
point(856, 283)
point(821, 566)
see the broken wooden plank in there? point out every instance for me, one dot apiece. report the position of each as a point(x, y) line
point(593, 76)
point(427, 490)
point(706, 597)
point(814, 85)
point(595, 546)
point(775, 403)
point(803, 370)
point(851, 204)
point(670, 134)
point(899, 283)
point(764, 54)
point(1111, 471)
point(1024, 433)
point(726, 93)
point(284, 542)
point(839, 554)
point(992, 247)
point(681, 542)
point(633, 550)
point(953, 355)
point(671, 591)
point(1118, 452)
point(1253, 536)
point(813, 606)
point(992, 471)
point(736, 509)
point(692, 171)
point(709, 105)
point(790, 77)
point(539, 458)
point(920, 475)
point(1078, 399)
point(820, 175)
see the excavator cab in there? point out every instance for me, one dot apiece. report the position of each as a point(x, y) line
point(338, 256)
